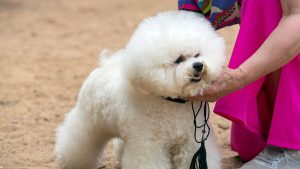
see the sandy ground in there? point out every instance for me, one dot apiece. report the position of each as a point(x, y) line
point(47, 48)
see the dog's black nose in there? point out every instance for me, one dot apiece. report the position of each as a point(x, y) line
point(198, 66)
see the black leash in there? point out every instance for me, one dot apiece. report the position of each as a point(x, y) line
point(199, 158)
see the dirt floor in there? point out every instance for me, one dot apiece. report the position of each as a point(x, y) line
point(47, 48)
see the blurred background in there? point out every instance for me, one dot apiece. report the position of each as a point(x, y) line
point(47, 49)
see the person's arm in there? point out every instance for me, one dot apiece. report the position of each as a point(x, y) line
point(280, 47)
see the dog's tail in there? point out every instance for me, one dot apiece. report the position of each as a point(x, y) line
point(108, 57)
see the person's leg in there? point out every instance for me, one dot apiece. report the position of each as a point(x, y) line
point(245, 143)
point(283, 133)
point(285, 129)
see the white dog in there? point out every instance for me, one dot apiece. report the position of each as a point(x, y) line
point(171, 55)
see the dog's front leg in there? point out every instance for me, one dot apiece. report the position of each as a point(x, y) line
point(142, 155)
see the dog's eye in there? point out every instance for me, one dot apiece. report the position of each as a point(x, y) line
point(197, 55)
point(179, 59)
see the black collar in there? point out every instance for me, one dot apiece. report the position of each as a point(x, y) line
point(178, 100)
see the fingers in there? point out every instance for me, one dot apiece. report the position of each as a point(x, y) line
point(217, 89)
point(225, 84)
point(204, 98)
point(209, 94)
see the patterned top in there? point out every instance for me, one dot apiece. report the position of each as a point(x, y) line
point(220, 13)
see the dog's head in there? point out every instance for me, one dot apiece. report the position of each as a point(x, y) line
point(174, 54)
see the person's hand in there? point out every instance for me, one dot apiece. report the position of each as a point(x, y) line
point(229, 81)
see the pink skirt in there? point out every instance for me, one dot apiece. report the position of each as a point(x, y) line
point(268, 110)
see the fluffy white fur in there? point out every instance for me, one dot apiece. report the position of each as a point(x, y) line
point(123, 98)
